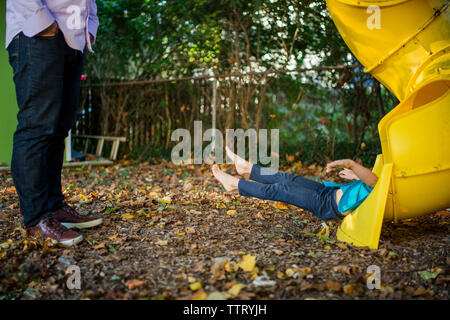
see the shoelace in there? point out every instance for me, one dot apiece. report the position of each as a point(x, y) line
point(54, 226)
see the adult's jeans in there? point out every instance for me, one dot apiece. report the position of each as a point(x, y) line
point(289, 188)
point(47, 76)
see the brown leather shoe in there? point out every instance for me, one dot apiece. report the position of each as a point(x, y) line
point(50, 228)
point(70, 218)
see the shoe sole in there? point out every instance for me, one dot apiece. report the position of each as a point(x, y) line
point(83, 225)
point(72, 242)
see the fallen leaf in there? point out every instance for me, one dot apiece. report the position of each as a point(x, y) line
point(344, 269)
point(190, 230)
point(195, 286)
point(4, 245)
point(162, 242)
point(217, 295)
point(199, 295)
point(270, 268)
point(199, 267)
point(386, 288)
point(441, 280)
point(248, 262)
point(259, 216)
point(254, 273)
point(281, 205)
point(218, 270)
point(99, 246)
point(188, 187)
point(289, 272)
point(126, 216)
point(235, 290)
point(166, 199)
point(436, 271)
point(420, 291)
point(231, 266)
point(305, 285)
point(333, 286)
point(305, 271)
point(288, 157)
point(349, 289)
point(324, 233)
point(134, 283)
point(278, 252)
point(426, 275)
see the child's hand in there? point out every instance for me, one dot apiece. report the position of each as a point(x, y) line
point(348, 175)
point(344, 163)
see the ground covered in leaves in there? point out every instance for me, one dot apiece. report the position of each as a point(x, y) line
point(170, 232)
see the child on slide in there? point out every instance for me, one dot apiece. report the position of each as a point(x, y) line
point(325, 200)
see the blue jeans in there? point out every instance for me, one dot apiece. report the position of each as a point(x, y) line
point(47, 75)
point(289, 188)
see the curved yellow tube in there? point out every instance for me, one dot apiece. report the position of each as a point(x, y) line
point(405, 44)
point(393, 39)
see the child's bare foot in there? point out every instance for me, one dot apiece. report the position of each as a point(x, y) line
point(230, 183)
point(243, 167)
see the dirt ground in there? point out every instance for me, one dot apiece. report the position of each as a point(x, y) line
point(171, 232)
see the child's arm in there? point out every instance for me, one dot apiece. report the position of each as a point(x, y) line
point(365, 174)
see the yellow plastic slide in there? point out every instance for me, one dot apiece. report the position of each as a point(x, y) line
point(405, 44)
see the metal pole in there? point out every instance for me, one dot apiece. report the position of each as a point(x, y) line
point(213, 112)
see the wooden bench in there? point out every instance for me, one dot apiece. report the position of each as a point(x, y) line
point(100, 143)
point(98, 152)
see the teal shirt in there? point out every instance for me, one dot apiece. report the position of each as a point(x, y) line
point(353, 194)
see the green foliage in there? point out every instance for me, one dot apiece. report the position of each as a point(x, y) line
point(321, 115)
point(142, 39)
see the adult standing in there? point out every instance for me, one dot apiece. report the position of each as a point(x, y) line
point(45, 40)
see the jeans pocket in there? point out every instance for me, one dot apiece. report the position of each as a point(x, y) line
point(13, 51)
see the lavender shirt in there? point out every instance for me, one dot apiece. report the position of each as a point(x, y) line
point(76, 19)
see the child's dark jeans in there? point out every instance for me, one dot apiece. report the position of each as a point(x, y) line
point(47, 75)
point(289, 188)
